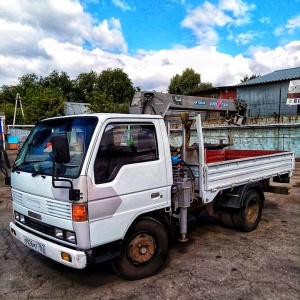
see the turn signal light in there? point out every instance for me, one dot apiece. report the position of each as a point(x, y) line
point(66, 256)
point(79, 212)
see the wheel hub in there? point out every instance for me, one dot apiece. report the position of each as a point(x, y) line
point(142, 248)
point(252, 211)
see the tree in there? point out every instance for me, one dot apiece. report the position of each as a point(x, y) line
point(112, 92)
point(246, 78)
point(100, 102)
point(188, 82)
point(83, 85)
point(28, 80)
point(42, 102)
point(61, 81)
point(8, 94)
point(117, 84)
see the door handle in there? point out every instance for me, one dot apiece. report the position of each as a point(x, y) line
point(155, 195)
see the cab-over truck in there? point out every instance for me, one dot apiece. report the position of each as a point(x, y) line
point(97, 187)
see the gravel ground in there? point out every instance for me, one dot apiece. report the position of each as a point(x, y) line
point(216, 263)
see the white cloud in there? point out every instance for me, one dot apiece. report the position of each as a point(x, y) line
point(40, 36)
point(121, 4)
point(63, 20)
point(265, 60)
point(265, 20)
point(293, 24)
point(290, 27)
point(75, 59)
point(152, 70)
point(205, 19)
point(239, 9)
point(107, 35)
point(19, 39)
point(245, 38)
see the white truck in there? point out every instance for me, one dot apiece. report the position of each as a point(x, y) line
point(97, 187)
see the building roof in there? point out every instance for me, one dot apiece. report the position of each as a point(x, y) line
point(74, 108)
point(279, 75)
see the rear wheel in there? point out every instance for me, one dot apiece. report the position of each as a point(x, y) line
point(144, 250)
point(248, 217)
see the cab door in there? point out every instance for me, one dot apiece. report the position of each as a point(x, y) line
point(128, 177)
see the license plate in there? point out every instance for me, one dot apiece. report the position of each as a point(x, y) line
point(39, 247)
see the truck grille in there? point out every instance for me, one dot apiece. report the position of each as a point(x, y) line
point(59, 209)
point(39, 226)
point(53, 208)
point(17, 197)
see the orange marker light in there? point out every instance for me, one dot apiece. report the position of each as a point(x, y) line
point(66, 256)
point(79, 212)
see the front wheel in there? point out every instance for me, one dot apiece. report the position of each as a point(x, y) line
point(144, 250)
point(248, 217)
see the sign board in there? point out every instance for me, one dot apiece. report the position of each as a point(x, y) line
point(293, 96)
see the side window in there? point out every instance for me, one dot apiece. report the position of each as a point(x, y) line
point(124, 144)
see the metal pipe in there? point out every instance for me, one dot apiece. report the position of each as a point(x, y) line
point(183, 224)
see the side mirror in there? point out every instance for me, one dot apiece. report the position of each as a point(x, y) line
point(60, 148)
point(61, 155)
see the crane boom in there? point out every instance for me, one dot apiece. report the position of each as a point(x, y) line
point(146, 102)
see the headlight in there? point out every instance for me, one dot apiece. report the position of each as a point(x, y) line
point(65, 235)
point(19, 217)
point(59, 233)
point(70, 237)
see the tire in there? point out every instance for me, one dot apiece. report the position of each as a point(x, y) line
point(248, 217)
point(144, 250)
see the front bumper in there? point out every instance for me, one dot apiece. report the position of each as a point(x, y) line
point(49, 249)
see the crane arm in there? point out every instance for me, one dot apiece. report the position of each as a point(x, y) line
point(156, 103)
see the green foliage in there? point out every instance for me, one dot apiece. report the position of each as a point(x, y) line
point(8, 94)
point(246, 78)
point(174, 86)
point(38, 103)
point(116, 84)
point(83, 85)
point(100, 102)
point(187, 83)
point(28, 80)
point(8, 109)
point(42, 102)
point(110, 91)
point(60, 81)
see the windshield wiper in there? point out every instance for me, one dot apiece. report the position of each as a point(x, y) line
point(25, 163)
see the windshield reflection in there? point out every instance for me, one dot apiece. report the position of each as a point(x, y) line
point(36, 154)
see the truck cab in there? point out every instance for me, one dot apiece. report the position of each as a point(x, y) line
point(78, 210)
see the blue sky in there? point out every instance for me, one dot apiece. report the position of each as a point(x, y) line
point(152, 41)
point(155, 25)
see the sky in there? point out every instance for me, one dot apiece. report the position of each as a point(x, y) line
point(151, 40)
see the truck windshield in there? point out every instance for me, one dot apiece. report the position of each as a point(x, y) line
point(36, 155)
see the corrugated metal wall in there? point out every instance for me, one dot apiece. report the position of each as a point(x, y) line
point(266, 99)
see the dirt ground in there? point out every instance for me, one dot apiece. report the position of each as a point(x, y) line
point(216, 263)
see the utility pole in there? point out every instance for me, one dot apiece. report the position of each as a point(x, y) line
point(18, 99)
